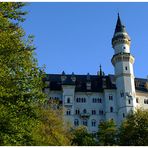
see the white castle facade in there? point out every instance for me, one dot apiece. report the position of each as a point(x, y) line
point(89, 99)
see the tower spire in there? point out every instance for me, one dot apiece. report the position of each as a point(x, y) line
point(119, 26)
point(120, 34)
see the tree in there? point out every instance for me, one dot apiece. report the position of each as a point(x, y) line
point(51, 130)
point(82, 138)
point(20, 79)
point(107, 133)
point(134, 130)
point(23, 120)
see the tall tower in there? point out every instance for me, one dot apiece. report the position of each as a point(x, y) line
point(122, 61)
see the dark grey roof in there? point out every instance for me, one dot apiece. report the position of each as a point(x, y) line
point(119, 26)
point(98, 83)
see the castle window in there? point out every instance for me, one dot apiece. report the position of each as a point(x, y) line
point(129, 101)
point(124, 47)
point(111, 109)
point(145, 101)
point(125, 67)
point(110, 97)
point(137, 100)
point(93, 112)
point(68, 112)
point(99, 100)
point(93, 123)
point(123, 115)
point(76, 122)
point(84, 111)
point(77, 111)
point(68, 100)
point(100, 112)
point(122, 94)
point(85, 122)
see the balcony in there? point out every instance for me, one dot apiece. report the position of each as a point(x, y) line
point(84, 115)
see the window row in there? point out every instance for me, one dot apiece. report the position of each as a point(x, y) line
point(93, 112)
point(81, 100)
point(97, 100)
point(85, 122)
point(56, 98)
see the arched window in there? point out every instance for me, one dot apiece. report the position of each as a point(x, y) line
point(77, 112)
point(68, 100)
point(68, 112)
point(76, 122)
point(111, 109)
point(85, 122)
point(93, 112)
point(84, 111)
point(93, 123)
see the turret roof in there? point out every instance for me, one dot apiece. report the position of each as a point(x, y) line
point(119, 26)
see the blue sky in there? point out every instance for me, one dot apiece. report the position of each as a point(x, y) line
point(76, 37)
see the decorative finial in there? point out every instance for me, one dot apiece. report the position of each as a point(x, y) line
point(88, 76)
point(100, 70)
point(100, 67)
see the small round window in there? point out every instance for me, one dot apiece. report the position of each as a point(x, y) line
point(124, 47)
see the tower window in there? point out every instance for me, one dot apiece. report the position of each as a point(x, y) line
point(124, 47)
point(129, 101)
point(111, 109)
point(125, 67)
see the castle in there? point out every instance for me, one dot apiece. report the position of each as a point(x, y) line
point(89, 99)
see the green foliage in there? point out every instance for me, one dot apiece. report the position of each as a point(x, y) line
point(82, 138)
point(51, 130)
point(134, 130)
point(107, 133)
point(20, 79)
point(23, 121)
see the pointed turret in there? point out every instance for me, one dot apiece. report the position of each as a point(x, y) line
point(120, 35)
point(119, 26)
